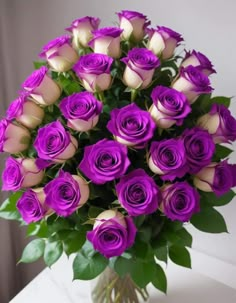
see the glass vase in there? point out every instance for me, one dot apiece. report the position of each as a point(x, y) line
point(110, 288)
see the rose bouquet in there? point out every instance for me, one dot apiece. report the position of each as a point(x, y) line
point(116, 143)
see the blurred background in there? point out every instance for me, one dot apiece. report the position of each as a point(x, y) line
point(26, 25)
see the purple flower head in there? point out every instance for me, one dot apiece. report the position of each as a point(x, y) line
point(104, 161)
point(171, 106)
point(168, 159)
point(129, 15)
point(3, 126)
point(199, 148)
point(131, 126)
point(138, 193)
point(92, 21)
point(30, 207)
point(199, 60)
point(15, 109)
point(35, 79)
point(111, 236)
point(166, 33)
point(113, 32)
point(53, 46)
point(180, 201)
point(12, 177)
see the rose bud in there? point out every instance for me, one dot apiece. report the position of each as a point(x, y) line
point(26, 112)
point(60, 54)
point(138, 193)
point(41, 87)
point(133, 25)
point(140, 67)
point(199, 148)
point(199, 60)
point(94, 71)
point(169, 107)
point(112, 233)
point(66, 193)
point(219, 123)
point(21, 173)
point(216, 177)
point(168, 159)
point(107, 41)
point(180, 201)
point(81, 110)
point(163, 41)
point(31, 205)
point(54, 143)
point(81, 30)
point(131, 126)
point(192, 82)
point(13, 138)
point(104, 161)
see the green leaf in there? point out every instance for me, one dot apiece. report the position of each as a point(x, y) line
point(221, 100)
point(74, 241)
point(94, 211)
point(161, 253)
point(180, 256)
point(142, 272)
point(122, 266)
point(209, 220)
point(185, 237)
point(87, 268)
point(8, 208)
point(159, 280)
point(212, 200)
point(52, 252)
point(33, 251)
point(38, 229)
point(38, 64)
point(222, 152)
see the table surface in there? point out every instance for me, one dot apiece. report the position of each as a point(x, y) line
point(184, 286)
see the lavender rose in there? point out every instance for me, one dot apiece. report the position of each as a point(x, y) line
point(112, 233)
point(20, 173)
point(60, 54)
point(133, 25)
point(25, 111)
point(31, 205)
point(94, 71)
point(163, 41)
point(81, 30)
point(66, 193)
point(140, 67)
point(107, 41)
point(199, 60)
point(168, 159)
point(13, 138)
point(54, 143)
point(138, 193)
point(219, 123)
point(81, 110)
point(192, 82)
point(216, 177)
point(199, 148)
point(131, 126)
point(169, 107)
point(104, 161)
point(41, 87)
point(180, 201)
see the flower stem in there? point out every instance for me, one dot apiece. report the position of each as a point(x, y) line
point(134, 93)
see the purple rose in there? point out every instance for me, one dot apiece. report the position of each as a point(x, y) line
point(54, 143)
point(25, 111)
point(138, 193)
point(180, 201)
point(20, 173)
point(81, 110)
point(60, 54)
point(140, 67)
point(81, 30)
point(94, 71)
point(199, 60)
point(133, 25)
point(163, 41)
point(192, 82)
point(13, 138)
point(112, 233)
point(104, 161)
point(219, 123)
point(31, 205)
point(107, 41)
point(66, 193)
point(168, 159)
point(41, 87)
point(199, 148)
point(216, 177)
point(169, 107)
point(131, 126)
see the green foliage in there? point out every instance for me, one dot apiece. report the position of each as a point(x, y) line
point(8, 208)
point(159, 279)
point(33, 251)
point(180, 256)
point(52, 252)
point(221, 152)
point(210, 199)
